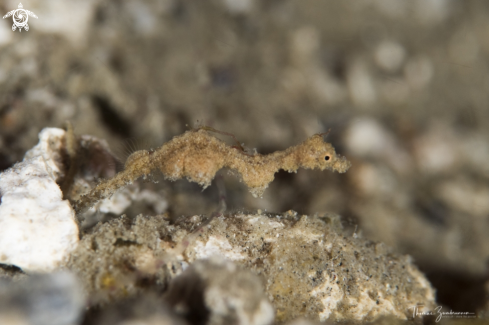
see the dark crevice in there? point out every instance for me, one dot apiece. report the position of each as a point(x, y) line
point(433, 211)
point(187, 291)
point(458, 291)
point(121, 242)
point(11, 269)
point(4, 162)
point(110, 117)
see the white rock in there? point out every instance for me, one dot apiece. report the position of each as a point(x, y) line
point(366, 137)
point(361, 85)
point(392, 8)
point(37, 227)
point(239, 6)
point(220, 247)
point(5, 34)
point(145, 19)
point(435, 151)
point(432, 11)
point(390, 55)
point(123, 199)
point(69, 19)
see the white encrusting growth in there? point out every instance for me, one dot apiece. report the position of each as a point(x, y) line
point(37, 227)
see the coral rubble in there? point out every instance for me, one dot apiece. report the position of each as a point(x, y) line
point(37, 227)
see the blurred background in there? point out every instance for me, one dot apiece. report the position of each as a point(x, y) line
point(403, 86)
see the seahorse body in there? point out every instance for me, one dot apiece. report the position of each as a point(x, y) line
point(198, 156)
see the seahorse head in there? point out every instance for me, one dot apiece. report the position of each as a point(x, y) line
point(315, 153)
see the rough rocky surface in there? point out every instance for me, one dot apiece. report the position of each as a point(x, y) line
point(309, 265)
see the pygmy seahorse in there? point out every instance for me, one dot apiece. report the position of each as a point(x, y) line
point(198, 156)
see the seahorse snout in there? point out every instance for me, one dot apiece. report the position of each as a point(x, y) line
point(341, 165)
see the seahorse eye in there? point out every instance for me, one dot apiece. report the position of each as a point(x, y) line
point(327, 158)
